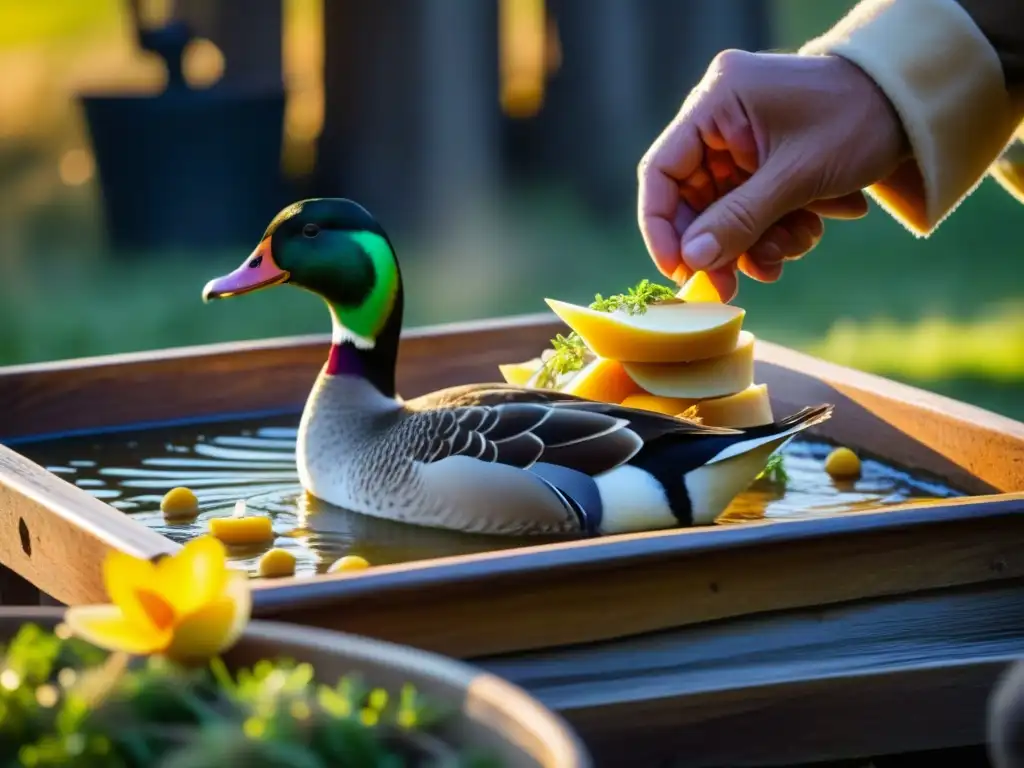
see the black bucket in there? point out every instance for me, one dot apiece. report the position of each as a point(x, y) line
point(193, 169)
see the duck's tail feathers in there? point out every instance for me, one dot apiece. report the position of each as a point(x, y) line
point(806, 417)
point(777, 433)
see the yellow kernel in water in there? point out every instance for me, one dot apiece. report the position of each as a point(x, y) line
point(179, 504)
point(277, 562)
point(843, 463)
point(242, 530)
point(349, 563)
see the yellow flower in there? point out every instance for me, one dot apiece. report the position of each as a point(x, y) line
point(188, 606)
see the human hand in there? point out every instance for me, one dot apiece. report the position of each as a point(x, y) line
point(763, 148)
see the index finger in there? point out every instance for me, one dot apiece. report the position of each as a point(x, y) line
point(676, 154)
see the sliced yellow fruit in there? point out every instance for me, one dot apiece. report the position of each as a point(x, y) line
point(712, 377)
point(671, 406)
point(242, 530)
point(699, 288)
point(668, 332)
point(749, 408)
point(520, 373)
point(602, 379)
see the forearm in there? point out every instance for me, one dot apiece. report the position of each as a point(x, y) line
point(941, 64)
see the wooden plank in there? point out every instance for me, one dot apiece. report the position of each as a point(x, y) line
point(56, 535)
point(972, 448)
point(494, 603)
point(877, 677)
point(850, 556)
point(239, 378)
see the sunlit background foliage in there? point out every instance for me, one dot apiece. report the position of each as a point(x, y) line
point(946, 313)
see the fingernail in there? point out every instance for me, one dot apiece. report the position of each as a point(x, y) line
point(804, 236)
point(681, 275)
point(701, 251)
point(770, 253)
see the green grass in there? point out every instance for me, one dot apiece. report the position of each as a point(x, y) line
point(947, 313)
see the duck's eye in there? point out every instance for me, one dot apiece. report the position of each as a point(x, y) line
point(311, 230)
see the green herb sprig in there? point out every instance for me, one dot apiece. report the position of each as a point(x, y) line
point(634, 301)
point(775, 470)
point(570, 352)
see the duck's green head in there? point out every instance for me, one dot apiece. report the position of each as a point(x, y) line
point(334, 248)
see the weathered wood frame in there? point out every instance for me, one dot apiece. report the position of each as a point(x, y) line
point(54, 535)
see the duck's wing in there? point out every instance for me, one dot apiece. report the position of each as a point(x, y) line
point(520, 426)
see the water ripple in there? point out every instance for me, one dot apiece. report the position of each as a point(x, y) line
point(223, 463)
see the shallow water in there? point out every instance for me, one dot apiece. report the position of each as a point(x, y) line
point(226, 462)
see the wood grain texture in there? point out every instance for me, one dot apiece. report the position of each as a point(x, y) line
point(239, 378)
point(722, 572)
point(974, 449)
point(876, 677)
point(626, 585)
point(55, 535)
point(487, 713)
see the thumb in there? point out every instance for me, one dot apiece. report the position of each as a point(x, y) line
point(734, 222)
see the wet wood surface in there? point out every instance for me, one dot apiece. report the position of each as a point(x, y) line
point(635, 590)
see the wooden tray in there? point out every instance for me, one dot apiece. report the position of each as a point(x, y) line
point(693, 637)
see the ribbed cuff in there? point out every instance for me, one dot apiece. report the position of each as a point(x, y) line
point(946, 84)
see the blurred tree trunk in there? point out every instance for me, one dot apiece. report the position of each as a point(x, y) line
point(598, 110)
point(460, 162)
point(626, 68)
point(684, 36)
point(411, 110)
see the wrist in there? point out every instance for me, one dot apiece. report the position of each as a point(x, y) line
point(881, 113)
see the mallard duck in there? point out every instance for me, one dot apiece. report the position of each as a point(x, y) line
point(485, 458)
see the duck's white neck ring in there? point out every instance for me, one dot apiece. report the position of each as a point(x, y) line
point(341, 335)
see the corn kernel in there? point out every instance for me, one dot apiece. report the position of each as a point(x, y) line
point(843, 463)
point(242, 530)
point(349, 563)
point(179, 504)
point(276, 563)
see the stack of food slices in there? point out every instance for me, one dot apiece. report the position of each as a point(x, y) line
point(684, 354)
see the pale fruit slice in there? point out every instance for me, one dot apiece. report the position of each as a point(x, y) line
point(714, 377)
point(699, 288)
point(603, 379)
point(520, 373)
point(749, 408)
point(670, 406)
point(668, 332)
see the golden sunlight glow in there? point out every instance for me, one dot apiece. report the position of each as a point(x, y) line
point(302, 61)
point(933, 348)
point(187, 606)
point(524, 52)
point(77, 166)
point(202, 63)
point(155, 13)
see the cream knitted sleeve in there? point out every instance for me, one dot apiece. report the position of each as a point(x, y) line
point(946, 83)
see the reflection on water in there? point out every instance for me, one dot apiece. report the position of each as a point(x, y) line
point(256, 462)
